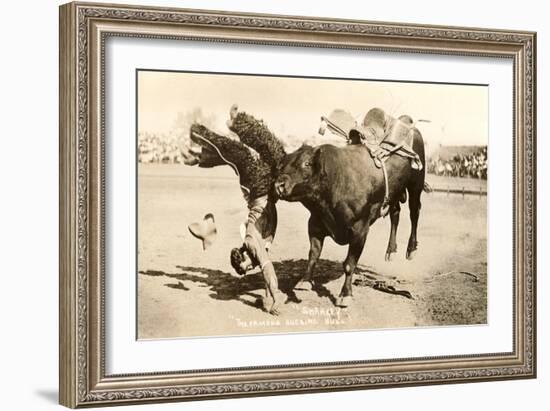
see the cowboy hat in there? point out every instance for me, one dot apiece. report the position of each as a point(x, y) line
point(204, 230)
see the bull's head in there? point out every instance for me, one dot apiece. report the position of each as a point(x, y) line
point(297, 174)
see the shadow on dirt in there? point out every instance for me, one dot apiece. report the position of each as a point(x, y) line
point(225, 286)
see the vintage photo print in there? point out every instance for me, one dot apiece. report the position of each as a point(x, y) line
point(278, 204)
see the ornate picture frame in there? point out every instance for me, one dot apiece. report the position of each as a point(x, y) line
point(84, 29)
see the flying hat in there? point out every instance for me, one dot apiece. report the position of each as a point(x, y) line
point(204, 230)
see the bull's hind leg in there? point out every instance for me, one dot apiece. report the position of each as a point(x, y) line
point(316, 239)
point(395, 209)
point(414, 210)
point(356, 246)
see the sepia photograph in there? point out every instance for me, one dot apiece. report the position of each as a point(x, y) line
point(273, 204)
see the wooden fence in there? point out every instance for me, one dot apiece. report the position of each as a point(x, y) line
point(460, 190)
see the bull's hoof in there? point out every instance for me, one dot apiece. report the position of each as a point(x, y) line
point(389, 255)
point(411, 254)
point(344, 301)
point(304, 285)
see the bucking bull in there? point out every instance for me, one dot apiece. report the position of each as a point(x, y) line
point(346, 189)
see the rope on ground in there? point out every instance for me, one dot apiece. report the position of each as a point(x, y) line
point(437, 276)
point(387, 284)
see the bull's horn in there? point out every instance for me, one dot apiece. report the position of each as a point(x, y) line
point(204, 230)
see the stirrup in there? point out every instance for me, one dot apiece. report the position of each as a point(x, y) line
point(385, 209)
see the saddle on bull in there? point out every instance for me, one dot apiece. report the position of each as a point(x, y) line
point(382, 134)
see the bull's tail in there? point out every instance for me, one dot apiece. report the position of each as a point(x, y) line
point(427, 187)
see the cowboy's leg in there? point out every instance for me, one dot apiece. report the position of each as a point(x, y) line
point(256, 247)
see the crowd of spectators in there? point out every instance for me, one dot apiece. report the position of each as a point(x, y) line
point(153, 148)
point(460, 165)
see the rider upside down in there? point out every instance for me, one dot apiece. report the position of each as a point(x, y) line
point(256, 178)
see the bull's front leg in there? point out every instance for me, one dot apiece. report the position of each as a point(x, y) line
point(316, 239)
point(355, 250)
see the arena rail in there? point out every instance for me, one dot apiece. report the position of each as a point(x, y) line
point(460, 190)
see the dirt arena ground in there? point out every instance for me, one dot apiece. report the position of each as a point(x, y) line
point(184, 291)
